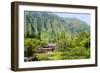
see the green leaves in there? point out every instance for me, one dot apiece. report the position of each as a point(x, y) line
point(37, 23)
point(71, 36)
point(42, 57)
point(31, 46)
point(59, 56)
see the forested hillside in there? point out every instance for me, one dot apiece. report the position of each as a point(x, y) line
point(69, 34)
point(42, 24)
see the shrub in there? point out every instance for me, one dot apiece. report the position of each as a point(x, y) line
point(77, 52)
point(42, 57)
point(59, 55)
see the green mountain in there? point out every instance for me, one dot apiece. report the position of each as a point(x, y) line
point(47, 25)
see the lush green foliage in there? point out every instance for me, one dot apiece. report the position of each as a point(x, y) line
point(45, 25)
point(41, 57)
point(31, 46)
point(71, 36)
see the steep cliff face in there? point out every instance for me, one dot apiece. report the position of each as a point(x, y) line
point(38, 24)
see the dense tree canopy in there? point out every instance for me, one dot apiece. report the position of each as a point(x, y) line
point(71, 36)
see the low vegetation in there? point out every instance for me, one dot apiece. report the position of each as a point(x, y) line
point(70, 36)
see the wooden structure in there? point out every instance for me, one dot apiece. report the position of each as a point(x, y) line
point(49, 48)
